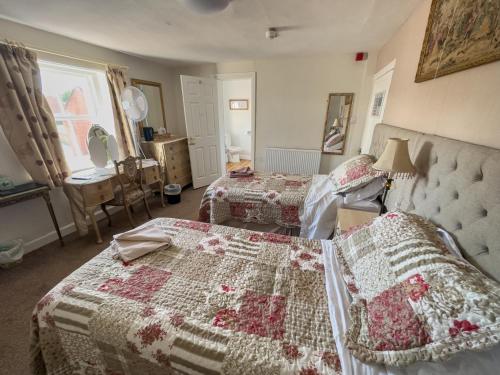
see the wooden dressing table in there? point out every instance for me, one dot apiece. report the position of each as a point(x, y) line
point(86, 191)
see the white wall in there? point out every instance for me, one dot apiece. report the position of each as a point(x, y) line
point(292, 98)
point(30, 220)
point(238, 123)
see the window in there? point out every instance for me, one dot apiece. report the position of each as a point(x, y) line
point(78, 97)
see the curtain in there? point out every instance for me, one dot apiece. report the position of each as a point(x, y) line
point(26, 118)
point(117, 83)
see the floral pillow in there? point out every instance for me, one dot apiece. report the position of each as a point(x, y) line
point(412, 299)
point(353, 174)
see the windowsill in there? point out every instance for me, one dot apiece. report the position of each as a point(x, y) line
point(109, 166)
point(81, 170)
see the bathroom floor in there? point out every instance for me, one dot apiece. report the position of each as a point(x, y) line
point(242, 164)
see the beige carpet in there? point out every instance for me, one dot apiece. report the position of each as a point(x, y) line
point(22, 286)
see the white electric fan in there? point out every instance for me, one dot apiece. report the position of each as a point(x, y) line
point(135, 105)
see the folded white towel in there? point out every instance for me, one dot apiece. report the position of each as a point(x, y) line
point(139, 241)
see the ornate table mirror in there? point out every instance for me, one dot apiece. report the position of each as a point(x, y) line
point(338, 115)
point(102, 146)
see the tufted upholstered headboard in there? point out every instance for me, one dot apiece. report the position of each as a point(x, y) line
point(457, 187)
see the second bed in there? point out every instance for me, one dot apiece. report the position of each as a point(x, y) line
point(284, 203)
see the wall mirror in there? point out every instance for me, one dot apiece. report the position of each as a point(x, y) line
point(156, 111)
point(338, 115)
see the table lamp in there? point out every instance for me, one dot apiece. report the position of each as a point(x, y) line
point(394, 163)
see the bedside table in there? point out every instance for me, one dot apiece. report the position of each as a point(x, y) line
point(348, 218)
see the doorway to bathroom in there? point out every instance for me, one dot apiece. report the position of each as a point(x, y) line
point(237, 120)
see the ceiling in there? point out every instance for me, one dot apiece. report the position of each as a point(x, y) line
point(165, 30)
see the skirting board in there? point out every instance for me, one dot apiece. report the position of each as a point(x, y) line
point(245, 157)
point(65, 230)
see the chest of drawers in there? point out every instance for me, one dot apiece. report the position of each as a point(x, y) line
point(173, 156)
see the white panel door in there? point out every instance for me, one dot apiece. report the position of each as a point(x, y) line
point(202, 126)
point(380, 91)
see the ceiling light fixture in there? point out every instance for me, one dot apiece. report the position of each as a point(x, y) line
point(206, 6)
point(272, 33)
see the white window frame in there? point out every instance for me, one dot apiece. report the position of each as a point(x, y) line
point(100, 110)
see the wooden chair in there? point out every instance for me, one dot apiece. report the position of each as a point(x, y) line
point(130, 189)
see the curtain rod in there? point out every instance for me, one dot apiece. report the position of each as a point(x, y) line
point(63, 55)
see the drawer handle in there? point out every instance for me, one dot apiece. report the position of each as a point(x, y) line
point(99, 187)
point(102, 197)
point(173, 167)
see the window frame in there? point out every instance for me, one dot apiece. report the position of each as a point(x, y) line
point(96, 100)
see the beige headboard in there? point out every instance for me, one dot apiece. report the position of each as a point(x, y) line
point(457, 187)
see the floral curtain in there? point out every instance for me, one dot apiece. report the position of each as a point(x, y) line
point(117, 83)
point(26, 119)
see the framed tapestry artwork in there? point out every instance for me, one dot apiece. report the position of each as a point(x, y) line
point(460, 34)
point(338, 115)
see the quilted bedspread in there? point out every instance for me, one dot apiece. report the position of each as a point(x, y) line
point(219, 301)
point(264, 198)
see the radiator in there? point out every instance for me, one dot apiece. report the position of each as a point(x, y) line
point(292, 161)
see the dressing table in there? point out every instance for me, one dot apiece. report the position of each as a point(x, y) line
point(86, 191)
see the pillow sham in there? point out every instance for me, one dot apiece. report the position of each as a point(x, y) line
point(353, 174)
point(412, 299)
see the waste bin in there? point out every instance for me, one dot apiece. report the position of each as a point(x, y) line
point(11, 253)
point(173, 193)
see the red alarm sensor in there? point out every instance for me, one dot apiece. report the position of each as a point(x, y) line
point(360, 56)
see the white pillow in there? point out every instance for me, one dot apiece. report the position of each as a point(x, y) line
point(368, 192)
point(450, 243)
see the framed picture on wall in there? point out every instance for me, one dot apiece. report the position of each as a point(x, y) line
point(377, 103)
point(238, 104)
point(459, 35)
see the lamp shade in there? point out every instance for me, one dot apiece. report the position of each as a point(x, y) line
point(395, 159)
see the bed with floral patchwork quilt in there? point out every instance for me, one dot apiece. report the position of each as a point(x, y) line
point(223, 300)
point(263, 198)
point(220, 300)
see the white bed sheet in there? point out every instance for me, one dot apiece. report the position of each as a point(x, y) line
point(317, 218)
point(466, 363)
point(319, 214)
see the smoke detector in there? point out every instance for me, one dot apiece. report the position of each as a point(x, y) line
point(272, 33)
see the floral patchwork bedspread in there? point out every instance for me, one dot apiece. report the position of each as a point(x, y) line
point(220, 300)
point(264, 198)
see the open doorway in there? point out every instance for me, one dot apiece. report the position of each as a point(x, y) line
point(236, 119)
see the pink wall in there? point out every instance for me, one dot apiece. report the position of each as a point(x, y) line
point(463, 105)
